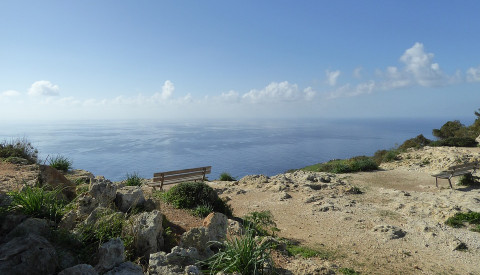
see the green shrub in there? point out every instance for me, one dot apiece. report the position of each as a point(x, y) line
point(294, 249)
point(19, 148)
point(226, 177)
point(243, 255)
point(459, 219)
point(449, 130)
point(37, 202)
point(355, 164)
point(189, 195)
point(348, 271)
point(381, 156)
point(456, 142)
point(416, 142)
point(261, 222)
point(202, 210)
point(468, 179)
point(61, 163)
point(133, 180)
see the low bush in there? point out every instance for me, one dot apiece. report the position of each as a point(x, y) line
point(416, 142)
point(189, 195)
point(37, 202)
point(459, 219)
point(202, 210)
point(133, 180)
point(381, 156)
point(241, 255)
point(226, 177)
point(456, 142)
point(348, 271)
point(294, 249)
point(468, 180)
point(61, 163)
point(355, 164)
point(19, 148)
point(261, 222)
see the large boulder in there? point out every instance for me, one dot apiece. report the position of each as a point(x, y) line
point(197, 238)
point(110, 254)
point(129, 197)
point(28, 255)
point(217, 225)
point(178, 262)
point(147, 231)
point(81, 269)
point(34, 226)
point(103, 192)
point(52, 177)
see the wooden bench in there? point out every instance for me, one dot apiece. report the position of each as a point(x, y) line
point(171, 177)
point(456, 170)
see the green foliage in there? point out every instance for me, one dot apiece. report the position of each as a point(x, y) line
point(456, 142)
point(261, 222)
point(468, 179)
point(61, 163)
point(243, 255)
point(189, 195)
point(416, 142)
point(294, 249)
point(37, 202)
point(348, 271)
point(133, 180)
point(448, 130)
point(381, 156)
point(459, 219)
point(19, 148)
point(355, 164)
point(226, 177)
point(202, 210)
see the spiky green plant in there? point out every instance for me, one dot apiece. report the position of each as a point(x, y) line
point(61, 163)
point(133, 179)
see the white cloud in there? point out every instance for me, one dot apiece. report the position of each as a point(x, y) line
point(332, 77)
point(43, 88)
point(420, 67)
point(231, 96)
point(10, 93)
point(278, 92)
point(167, 89)
point(357, 73)
point(473, 74)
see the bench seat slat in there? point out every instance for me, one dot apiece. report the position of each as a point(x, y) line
point(208, 170)
point(176, 181)
point(173, 177)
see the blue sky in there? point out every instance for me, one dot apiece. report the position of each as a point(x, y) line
point(238, 59)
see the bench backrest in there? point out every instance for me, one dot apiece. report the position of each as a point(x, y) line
point(176, 176)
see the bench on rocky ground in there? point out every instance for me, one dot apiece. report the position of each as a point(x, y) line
point(171, 177)
point(456, 170)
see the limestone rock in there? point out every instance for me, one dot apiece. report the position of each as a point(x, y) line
point(178, 261)
point(85, 204)
point(126, 268)
point(235, 228)
point(68, 221)
point(34, 226)
point(216, 224)
point(129, 197)
point(52, 177)
point(28, 255)
point(147, 231)
point(198, 238)
point(110, 254)
point(9, 222)
point(104, 192)
point(81, 269)
point(284, 196)
point(390, 231)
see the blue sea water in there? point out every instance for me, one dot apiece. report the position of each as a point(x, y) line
point(270, 147)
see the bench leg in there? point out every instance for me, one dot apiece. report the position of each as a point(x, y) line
point(450, 182)
point(436, 182)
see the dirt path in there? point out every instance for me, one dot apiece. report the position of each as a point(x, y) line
point(395, 227)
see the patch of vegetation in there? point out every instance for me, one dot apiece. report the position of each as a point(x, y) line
point(133, 180)
point(19, 148)
point(381, 156)
point(189, 195)
point(243, 255)
point(456, 142)
point(352, 165)
point(61, 163)
point(294, 248)
point(348, 271)
point(261, 223)
point(468, 180)
point(202, 210)
point(416, 142)
point(37, 202)
point(226, 177)
point(459, 220)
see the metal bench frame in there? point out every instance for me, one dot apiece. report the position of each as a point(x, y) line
point(456, 170)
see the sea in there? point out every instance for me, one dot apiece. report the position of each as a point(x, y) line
point(239, 147)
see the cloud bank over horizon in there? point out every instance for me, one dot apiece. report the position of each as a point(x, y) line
point(417, 69)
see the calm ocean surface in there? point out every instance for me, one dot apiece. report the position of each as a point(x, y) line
point(115, 148)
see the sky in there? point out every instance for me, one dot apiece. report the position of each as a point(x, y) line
point(238, 59)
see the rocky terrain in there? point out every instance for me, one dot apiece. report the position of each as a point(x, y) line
point(390, 221)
